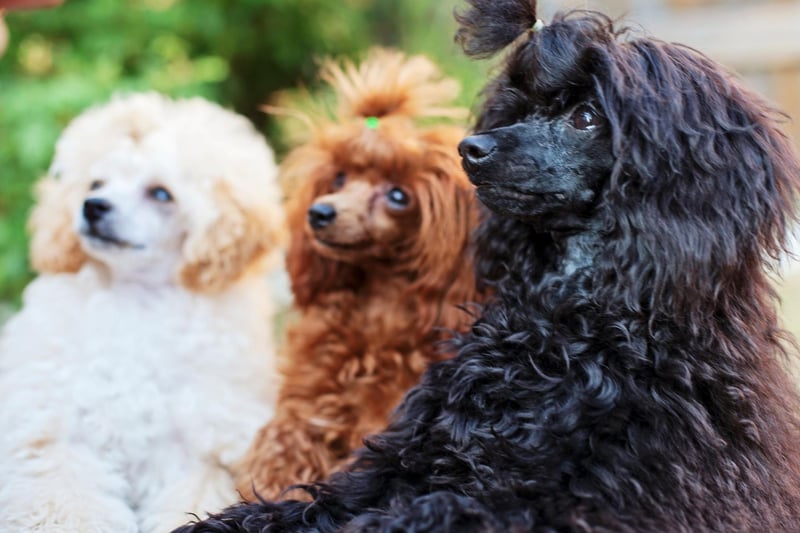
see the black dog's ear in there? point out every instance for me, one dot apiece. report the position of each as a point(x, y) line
point(491, 25)
point(705, 184)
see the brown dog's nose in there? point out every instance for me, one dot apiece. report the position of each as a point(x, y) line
point(95, 208)
point(321, 215)
point(476, 148)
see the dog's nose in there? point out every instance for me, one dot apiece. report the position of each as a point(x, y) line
point(95, 208)
point(476, 148)
point(321, 215)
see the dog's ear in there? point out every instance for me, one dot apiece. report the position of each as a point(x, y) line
point(55, 246)
point(448, 215)
point(226, 247)
point(693, 212)
point(311, 274)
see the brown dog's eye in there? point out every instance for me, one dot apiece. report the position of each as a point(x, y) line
point(397, 198)
point(96, 184)
point(338, 181)
point(159, 194)
point(586, 118)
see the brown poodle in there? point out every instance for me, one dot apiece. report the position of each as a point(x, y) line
point(380, 265)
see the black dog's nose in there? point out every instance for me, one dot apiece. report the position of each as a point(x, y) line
point(321, 215)
point(476, 148)
point(95, 208)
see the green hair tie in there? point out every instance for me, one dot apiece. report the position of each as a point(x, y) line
point(372, 122)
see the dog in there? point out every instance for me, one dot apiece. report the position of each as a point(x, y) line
point(380, 216)
point(629, 373)
point(139, 366)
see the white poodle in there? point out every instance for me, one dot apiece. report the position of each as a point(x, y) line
point(140, 365)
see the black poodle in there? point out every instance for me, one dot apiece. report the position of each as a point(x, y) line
point(629, 375)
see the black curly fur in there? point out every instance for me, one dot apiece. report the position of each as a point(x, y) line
point(629, 375)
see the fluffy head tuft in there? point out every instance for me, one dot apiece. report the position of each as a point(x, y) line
point(488, 26)
point(387, 83)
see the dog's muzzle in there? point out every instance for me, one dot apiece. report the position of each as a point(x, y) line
point(476, 150)
point(94, 209)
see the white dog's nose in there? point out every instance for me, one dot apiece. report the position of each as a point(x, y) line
point(95, 208)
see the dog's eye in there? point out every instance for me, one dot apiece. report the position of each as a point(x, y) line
point(338, 181)
point(96, 184)
point(397, 198)
point(586, 118)
point(159, 194)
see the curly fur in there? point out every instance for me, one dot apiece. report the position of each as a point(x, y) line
point(630, 373)
point(369, 321)
point(233, 227)
point(135, 375)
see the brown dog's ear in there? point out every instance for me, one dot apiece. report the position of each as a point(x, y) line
point(54, 245)
point(448, 215)
point(219, 253)
point(311, 274)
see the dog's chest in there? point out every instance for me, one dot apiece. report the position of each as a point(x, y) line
point(133, 373)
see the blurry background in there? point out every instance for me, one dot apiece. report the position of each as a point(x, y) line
point(239, 53)
point(242, 53)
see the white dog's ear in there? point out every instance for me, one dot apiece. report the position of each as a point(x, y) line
point(232, 243)
point(54, 245)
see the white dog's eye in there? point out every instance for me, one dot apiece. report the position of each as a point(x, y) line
point(159, 194)
point(96, 184)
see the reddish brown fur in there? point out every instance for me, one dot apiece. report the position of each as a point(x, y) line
point(369, 318)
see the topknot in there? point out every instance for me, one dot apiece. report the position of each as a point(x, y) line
point(388, 83)
point(488, 26)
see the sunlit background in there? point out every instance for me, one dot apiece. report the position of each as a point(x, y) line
point(242, 53)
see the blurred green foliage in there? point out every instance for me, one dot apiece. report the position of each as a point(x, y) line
point(236, 52)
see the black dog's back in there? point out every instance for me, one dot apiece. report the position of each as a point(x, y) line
point(628, 375)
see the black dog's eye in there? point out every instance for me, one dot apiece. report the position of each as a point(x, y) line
point(338, 181)
point(96, 184)
point(397, 198)
point(586, 118)
point(159, 194)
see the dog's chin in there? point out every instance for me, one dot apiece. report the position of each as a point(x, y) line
point(548, 211)
point(341, 250)
point(105, 241)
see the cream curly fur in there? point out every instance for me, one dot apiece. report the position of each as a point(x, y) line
point(139, 369)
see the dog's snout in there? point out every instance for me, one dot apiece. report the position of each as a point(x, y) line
point(95, 208)
point(321, 215)
point(476, 148)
